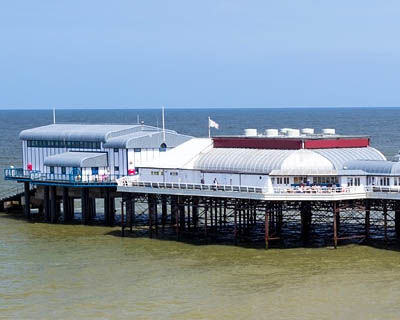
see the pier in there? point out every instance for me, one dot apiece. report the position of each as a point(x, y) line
point(269, 189)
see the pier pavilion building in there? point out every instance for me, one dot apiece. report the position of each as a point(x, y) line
point(235, 183)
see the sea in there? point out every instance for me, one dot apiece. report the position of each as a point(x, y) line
point(89, 272)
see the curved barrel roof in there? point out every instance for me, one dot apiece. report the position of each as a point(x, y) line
point(373, 167)
point(263, 161)
point(113, 135)
point(77, 159)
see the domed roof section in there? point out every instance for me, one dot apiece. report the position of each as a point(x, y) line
point(293, 162)
point(306, 162)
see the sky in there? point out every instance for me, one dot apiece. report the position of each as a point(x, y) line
point(186, 54)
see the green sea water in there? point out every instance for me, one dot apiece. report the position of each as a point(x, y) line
point(73, 271)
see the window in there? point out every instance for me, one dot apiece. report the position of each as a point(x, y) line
point(299, 180)
point(163, 147)
point(52, 170)
point(137, 150)
point(116, 168)
point(286, 180)
point(396, 181)
point(63, 170)
point(95, 170)
point(116, 150)
point(173, 173)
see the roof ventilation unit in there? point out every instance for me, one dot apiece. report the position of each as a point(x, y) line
point(250, 132)
point(271, 132)
point(284, 130)
point(328, 131)
point(307, 131)
point(293, 133)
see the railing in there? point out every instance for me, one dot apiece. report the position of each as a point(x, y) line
point(395, 189)
point(37, 176)
point(126, 182)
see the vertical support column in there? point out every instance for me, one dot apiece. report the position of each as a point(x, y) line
point(397, 220)
point(205, 217)
point(225, 203)
point(66, 205)
point(122, 219)
point(71, 212)
point(155, 211)
point(107, 212)
point(53, 205)
point(195, 212)
point(211, 214)
point(112, 210)
point(335, 220)
point(130, 211)
point(46, 201)
point(215, 214)
point(174, 209)
point(385, 220)
point(235, 229)
point(367, 218)
point(181, 204)
point(150, 203)
point(188, 216)
point(164, 211)
point(306, 215)
point(85, 205)
point(266, 230)
point(27, 198)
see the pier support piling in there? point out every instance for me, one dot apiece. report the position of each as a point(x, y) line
point(46, 205)
point(53, 205)
point(27, 198)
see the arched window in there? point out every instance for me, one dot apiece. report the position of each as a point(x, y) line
point(163, 147)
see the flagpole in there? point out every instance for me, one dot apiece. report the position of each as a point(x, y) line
point(209, 128)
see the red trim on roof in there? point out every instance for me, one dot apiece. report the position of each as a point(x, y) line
point(336, 143)
point(257, 143)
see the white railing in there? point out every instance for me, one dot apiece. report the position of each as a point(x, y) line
point(391, 189)
point(129, 182)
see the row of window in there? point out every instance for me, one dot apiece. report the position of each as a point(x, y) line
point(301, 180)
point(95, 170)
point(356, 181)
point(64, 144)
point(161, 173)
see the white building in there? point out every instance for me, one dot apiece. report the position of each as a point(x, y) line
point(92, 151)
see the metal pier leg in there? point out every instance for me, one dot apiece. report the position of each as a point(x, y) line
point(66, 204)
point(107, 213)
point(235, 230)
point(211, 214)
point(188, 217)
point(367, 219)
point(174, 209)
point(46, 201)
point(27, 198)
point(205, 219)
point(266, 235)
point(305, 220)
point(225, 212)
point(385, 221)
point(195, 212)
point(130, 212)
point(397, 220)
point(122, 219)
point(216, 215)
point(181, 204)
point(335, 233)
point(155, 210)
point(164, 211)
point(85, 205)
point(53, 205)
point(150, 204)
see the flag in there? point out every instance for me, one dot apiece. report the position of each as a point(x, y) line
point(212, 124)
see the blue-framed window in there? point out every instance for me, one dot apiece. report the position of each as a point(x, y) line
point(95, 170)
point(52, 170)
point(63, 170)
point(137, 150)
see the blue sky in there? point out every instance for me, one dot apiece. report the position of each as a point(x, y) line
point(199, 53)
